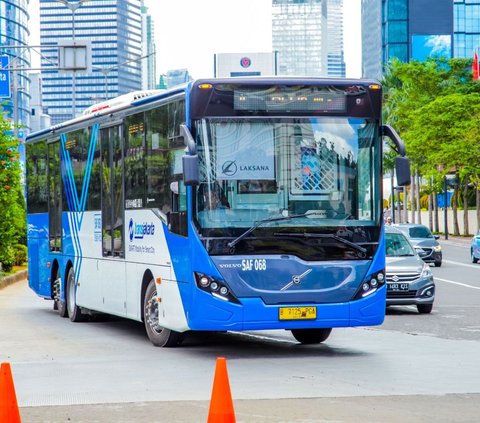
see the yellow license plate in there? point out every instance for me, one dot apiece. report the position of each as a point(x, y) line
point(297, 313)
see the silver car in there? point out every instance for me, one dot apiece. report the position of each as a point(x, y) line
point(426, 244)
point(409, 278)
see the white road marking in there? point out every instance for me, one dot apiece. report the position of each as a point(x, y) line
point(459, 263)
point(457, 283)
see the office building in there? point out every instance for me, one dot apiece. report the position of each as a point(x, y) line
point(113, 29)
point(336, 62)
point(467, 27)
point(38, 119)
point(299, 35)
point(148, 51)
point(411, 30)
point(245, 64)
point(372, 56)
point(15, 97)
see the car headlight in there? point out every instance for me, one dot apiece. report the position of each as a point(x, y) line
point(437, 248)
point(426, 271)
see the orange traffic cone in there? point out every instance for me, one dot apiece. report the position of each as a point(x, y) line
point(9, 412)
point(221, 404)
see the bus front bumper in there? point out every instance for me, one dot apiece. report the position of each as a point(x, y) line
point(212, 314)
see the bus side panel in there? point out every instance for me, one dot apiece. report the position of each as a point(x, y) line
point(38, 254)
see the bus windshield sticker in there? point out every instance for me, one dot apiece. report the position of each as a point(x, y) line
point(245, 151)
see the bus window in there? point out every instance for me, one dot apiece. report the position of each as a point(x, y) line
point(36, 163)
point(134, 162)
point(55, 197)
point(112, 212)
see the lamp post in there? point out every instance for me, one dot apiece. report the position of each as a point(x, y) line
point(73, 6)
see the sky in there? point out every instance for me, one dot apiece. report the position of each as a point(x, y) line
point(189, 32)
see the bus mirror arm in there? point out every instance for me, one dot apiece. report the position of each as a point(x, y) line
point(188, 139)
point(402, 164)
point(388, 131)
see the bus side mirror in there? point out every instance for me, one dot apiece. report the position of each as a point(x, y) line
point(402, 170)
point(190, 170)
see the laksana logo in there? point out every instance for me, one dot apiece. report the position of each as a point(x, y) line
point(139, 231)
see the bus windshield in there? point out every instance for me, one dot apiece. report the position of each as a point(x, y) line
point(320, 170)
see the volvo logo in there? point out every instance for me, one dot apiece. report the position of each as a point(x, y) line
point(296, 279)
point(229, 168)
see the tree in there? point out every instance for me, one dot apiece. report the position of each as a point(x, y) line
point(409, 89)
point(12, 203)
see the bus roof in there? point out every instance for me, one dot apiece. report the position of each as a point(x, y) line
point(138, 98)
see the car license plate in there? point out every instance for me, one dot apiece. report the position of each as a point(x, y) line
point(297, 313)
point(398, 286)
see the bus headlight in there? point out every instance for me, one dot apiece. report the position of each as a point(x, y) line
point(218, 289)
point(370, 284)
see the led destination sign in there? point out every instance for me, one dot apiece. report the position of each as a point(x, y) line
point(289, 99)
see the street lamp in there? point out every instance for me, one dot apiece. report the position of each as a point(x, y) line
point(73, 6)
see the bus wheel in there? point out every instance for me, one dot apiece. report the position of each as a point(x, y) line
point(58, 304)
point(159, 336)
point(74, 311)
point(311, 336)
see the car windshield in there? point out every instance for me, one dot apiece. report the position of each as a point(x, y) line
point(256, 169)
point(396, 245)
point(420, 232)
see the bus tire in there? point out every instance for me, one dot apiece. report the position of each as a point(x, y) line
point(74, 311)
point(159, 336)
point(311, 336)
point(59, 305)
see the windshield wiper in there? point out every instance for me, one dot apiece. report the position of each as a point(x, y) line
point(333, 236)
point(261, 222)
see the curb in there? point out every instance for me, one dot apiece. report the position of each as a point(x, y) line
point(8, 280)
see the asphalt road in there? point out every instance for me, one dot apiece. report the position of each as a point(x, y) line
point(413, 368)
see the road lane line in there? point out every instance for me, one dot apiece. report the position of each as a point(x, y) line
point(473, 266)
point(457, 283)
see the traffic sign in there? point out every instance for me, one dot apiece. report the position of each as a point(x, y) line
point(4, 78)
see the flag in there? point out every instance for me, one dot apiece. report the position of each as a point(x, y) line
point(475, 68)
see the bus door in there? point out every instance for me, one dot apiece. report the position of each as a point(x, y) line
point(54, 197)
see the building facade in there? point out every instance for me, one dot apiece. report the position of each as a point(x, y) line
point(299, 35)
point(467, 27)
point(245, 64)
point(149, 71)
point(336, 62)
point(113, 28)
point(14, 34)
point(410, 30)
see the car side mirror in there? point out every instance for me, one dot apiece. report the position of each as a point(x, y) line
point(436, 236)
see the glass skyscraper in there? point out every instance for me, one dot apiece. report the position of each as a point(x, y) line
point(410, 30)
point(114, 29)
point(14, 33)
point(148, 50)
point(336, 62)
point(467, 27)
point(299, 34)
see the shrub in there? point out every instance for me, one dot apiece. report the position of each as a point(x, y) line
point(7, 259)
point(20, 252)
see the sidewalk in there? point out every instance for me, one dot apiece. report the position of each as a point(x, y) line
point(8, 280)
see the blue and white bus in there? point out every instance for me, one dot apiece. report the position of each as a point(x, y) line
point(226, 204)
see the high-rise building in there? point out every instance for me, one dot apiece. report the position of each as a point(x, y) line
point(38, 119)
point(336, 62)
point(114, 30)
point(299, 35)
point(14, 34)
point(411, 30)
point(467, 27)
point(148, 51)
point(372, 56)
